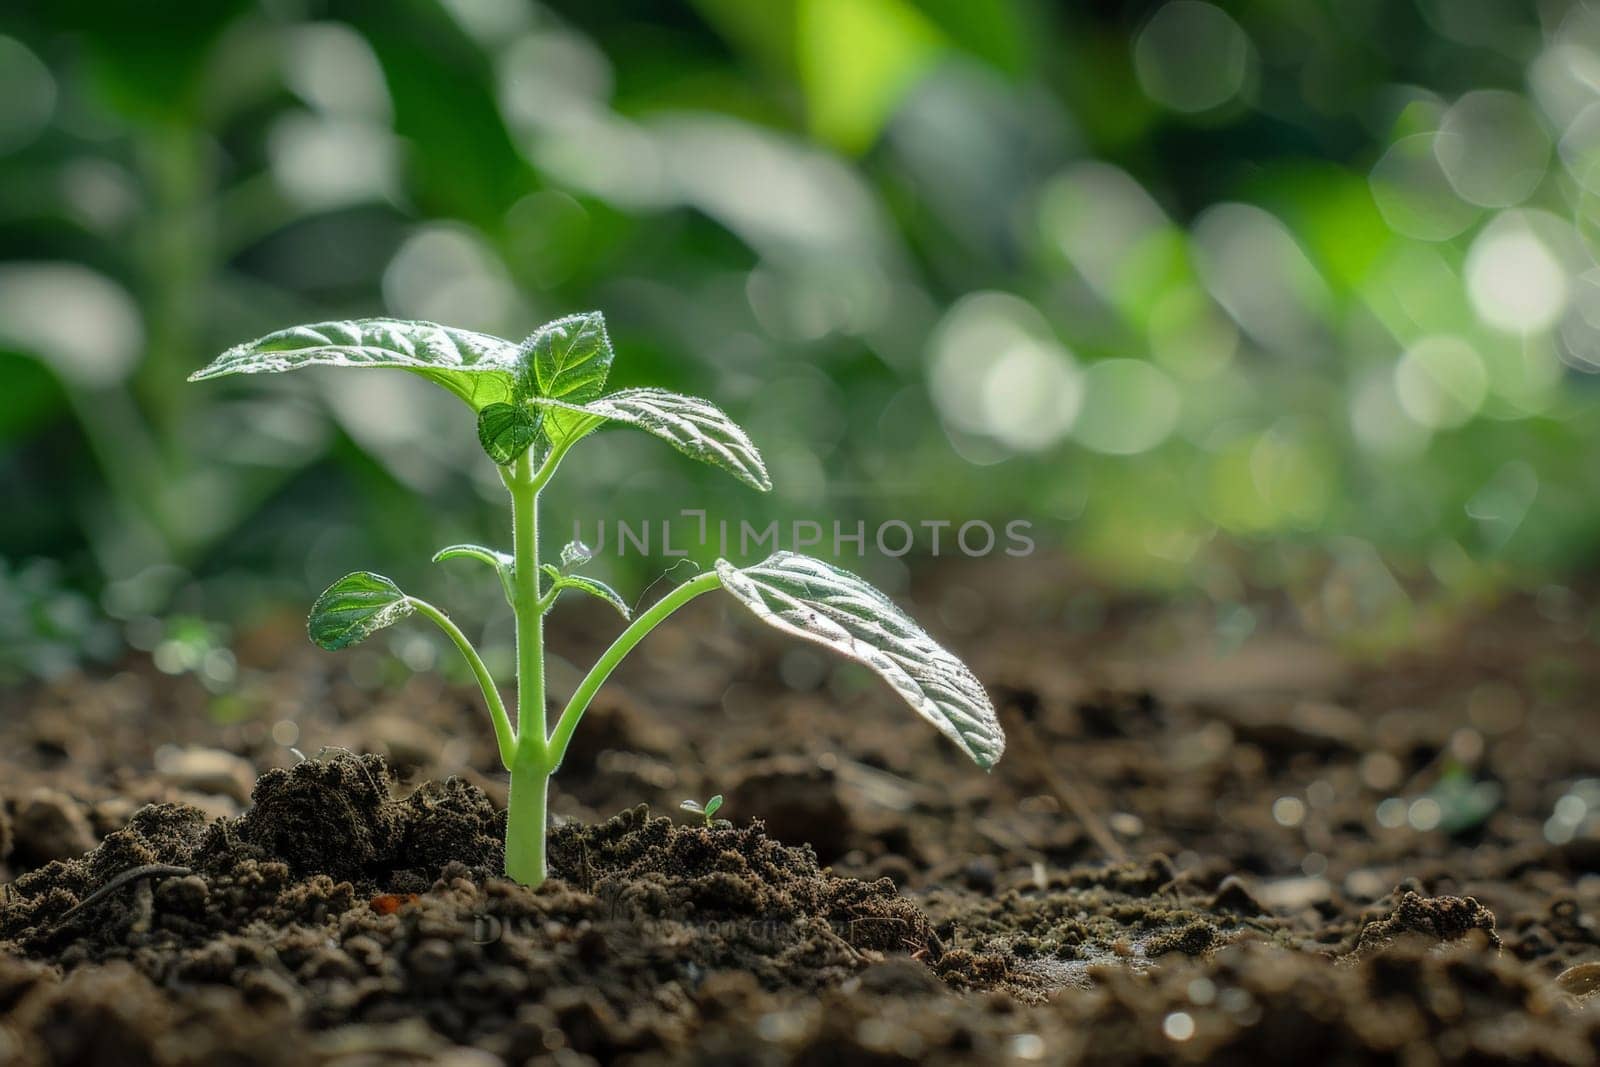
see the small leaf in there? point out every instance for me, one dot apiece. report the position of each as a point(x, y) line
point(506, 431)
point(478, 368)
point(819, 602)
point(503, 562)
point(713, 805)
point(498, 560)
point(593, 586)
point(355, 607)
point(566, 360)
point(576, 554)
point(694, 806)
point(695, 427)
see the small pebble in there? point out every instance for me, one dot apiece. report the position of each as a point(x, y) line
point(206, 770)
point(1581, 980)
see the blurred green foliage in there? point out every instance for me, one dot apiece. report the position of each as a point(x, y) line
point(1170, 280)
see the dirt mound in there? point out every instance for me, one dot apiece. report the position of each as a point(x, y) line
point(333, 906)
point(1436, 919)
point(648, 865)
point(317, 838)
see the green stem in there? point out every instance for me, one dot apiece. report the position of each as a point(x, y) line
point(614, 655)
point(503, 733)
point(530, 771)
point(525, 601)
point(526, 821)
point(547, 469)
point(531, 766)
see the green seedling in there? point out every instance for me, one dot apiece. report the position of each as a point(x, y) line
point(534, 402)
point(708, 810)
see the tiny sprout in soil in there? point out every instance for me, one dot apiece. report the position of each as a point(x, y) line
point(708, 810)
point(534, 402)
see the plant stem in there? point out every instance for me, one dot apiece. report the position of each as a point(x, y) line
point(526, 821)
point(503, 733)
point(525, 602)
point(614, 655)
point(530, 768)
point(531, 762)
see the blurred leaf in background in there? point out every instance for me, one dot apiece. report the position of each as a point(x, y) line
point(1198, 289)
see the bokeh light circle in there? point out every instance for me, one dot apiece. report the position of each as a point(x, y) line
point(29, 93)
point(1129, 406)
point(1441, 381)
point(1515, 279)
point(1580, 148)
point(1415, 195)
point(998, 371)
point(1492, 148)
point(1192, 56)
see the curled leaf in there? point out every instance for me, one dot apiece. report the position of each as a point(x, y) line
point(503, 562)
point(506, 431)
point(593, 586)
point(355, 607)
point(498, 560)
point(819, 602)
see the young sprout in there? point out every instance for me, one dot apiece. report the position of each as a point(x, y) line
point(709, 809)
point(534, 402)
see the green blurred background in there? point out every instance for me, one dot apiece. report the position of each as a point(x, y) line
point(1285, 294)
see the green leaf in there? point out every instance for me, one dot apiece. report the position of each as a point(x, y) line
point(506, 431)
point(478, 368)
point(355, 607)
point(695, 427)
point(566, 360)
point(593, 586)
point(503, 562)
point(819, 602)
point(498, 560)
point(713, 805)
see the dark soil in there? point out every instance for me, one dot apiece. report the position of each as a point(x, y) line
point(1277, 854)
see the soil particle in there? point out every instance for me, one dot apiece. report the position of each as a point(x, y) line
point(1581, 981)
point(115, 1015)
point(798, 800)
point(1190, 939)
point(1434, 919)
point(635, 860)
point(1308, 726)
point(207, 771)
point(1234, 895)
point(896, 978)
point(1119, 714)
point(331, 817)
point(50, 825)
